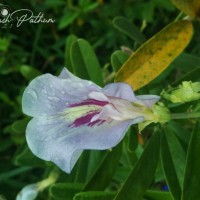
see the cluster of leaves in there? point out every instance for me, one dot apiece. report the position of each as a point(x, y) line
point(142, 166)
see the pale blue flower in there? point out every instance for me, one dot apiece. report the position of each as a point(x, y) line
point(71, 114)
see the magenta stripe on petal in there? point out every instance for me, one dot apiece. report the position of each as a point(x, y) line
point(85, 120)
point(90, 102)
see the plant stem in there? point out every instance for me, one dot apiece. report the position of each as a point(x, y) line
point(185, 115)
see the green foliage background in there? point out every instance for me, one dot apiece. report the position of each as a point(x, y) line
point(33, 49)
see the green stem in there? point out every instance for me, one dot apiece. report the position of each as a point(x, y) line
point(185, 115)
point(179, 16)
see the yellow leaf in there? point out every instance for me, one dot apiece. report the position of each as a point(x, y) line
point(155, 55)
point(189, 7)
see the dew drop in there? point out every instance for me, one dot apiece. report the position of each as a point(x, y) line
point(49, 106)
point(44, 91)
point(62, 92)
point(51, 86)
point(33, 94)
point(55, 99)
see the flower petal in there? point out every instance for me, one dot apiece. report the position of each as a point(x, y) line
point(47, 95)
point(120, 90)
point(148, 100)
point(53, 140)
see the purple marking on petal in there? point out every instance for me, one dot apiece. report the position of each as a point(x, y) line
point(97, 122)
point(90, 102)
point(84, 119)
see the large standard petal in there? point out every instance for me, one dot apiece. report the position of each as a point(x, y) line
point(52, 139)
point(47, 95)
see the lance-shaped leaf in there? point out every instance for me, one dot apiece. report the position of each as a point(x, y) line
point(143, 173)
point(192, 173)
point(170, 164)
point(60, 191)
point(118, 58)
point(68, 45)
point(110, 163)
point(94, 196)
point(127, 27)
point(156, 54)
point(189, 7)
point(84, 61)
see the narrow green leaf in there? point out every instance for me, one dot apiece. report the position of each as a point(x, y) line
point(191, 186)
point(94, 196)
point(142, 174)
point(26, 158)
point(4, 44)
point(68, 18)
point(118, 58)
point(186, 62)
point(182, 134)
point(62, 191)
point(125, 26)
point(192, 75)
point(158, 195)
point(101, 177)
point(85, 63)
point(178, 155)
point(68, 45)
point(169, 168)
point(29, 72)
point(88, 163)
point(20, 125)
point(130, 143)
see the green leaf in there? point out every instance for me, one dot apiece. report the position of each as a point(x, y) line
point(158, 195)
point(118, 58)
point(4, 44)
point(26, 158)
point(186, 62)
point(110, 163)
point(85, 63)
point(181, 133)
point(69, 17)
point(155, 55)
point(54, 3)
point(5, 98)
point(169, 168)
point(125, 26)
point(83, 165)
point(142, 174)
point(192, 75)
point(178, 155)
point(20, 125)
point(64, 191)
point(130, 146)
point(68, 45)
point(192, 173)
point(94, 196)
point(29, 72)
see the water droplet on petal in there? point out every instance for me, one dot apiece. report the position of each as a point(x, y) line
point(33, 94)
point(50, 106)
point(44, 91)
point(62, 92)
point(55, 99)
point(51, 86)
